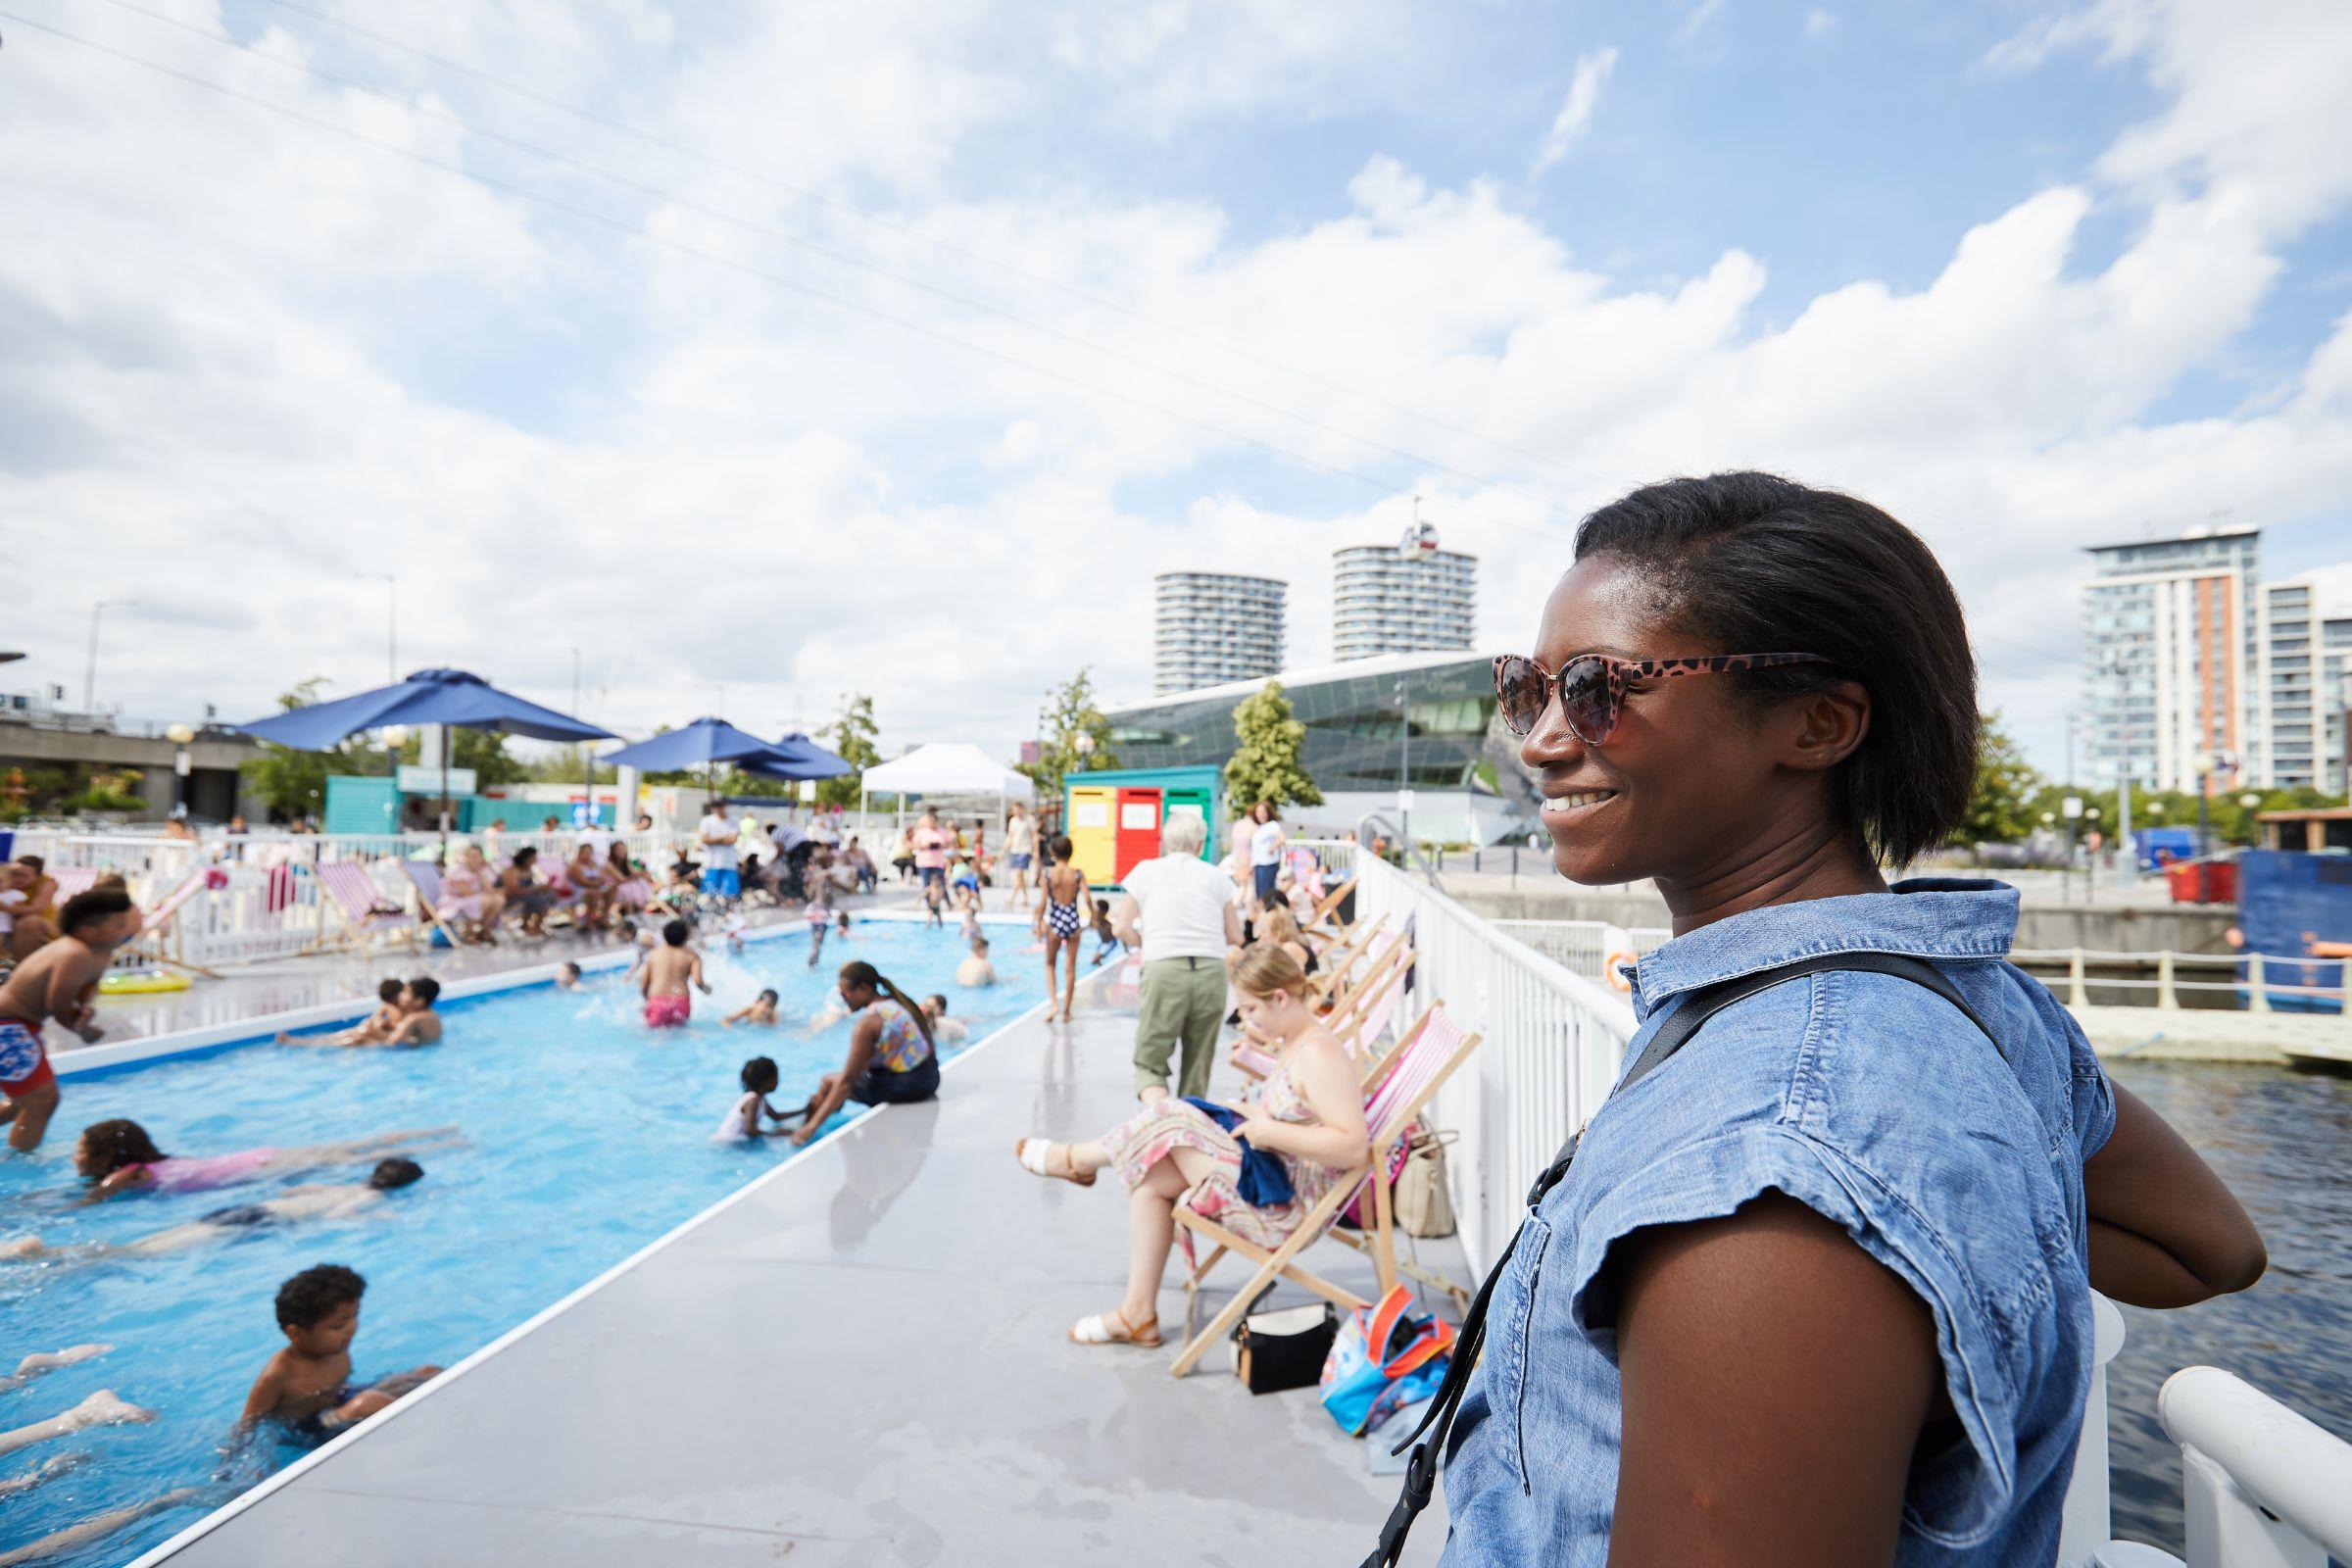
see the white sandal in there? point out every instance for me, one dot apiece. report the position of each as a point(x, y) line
point(1109, 1328)
point(1035, 1155)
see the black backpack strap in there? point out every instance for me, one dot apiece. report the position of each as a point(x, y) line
point(1421, 1470)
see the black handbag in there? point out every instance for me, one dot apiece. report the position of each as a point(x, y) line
point(1283, 1348)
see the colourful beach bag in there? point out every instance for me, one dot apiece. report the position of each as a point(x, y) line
point(1387, 1356)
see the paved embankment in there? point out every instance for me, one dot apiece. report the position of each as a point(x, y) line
point(862, 1359)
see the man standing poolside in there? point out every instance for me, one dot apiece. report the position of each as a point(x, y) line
point(60, 982)
point(718, 836)
point(1186, 909)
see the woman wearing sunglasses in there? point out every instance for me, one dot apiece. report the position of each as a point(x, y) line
point(1815, 1289)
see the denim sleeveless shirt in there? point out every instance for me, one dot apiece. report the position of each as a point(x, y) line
point(1879, 1104)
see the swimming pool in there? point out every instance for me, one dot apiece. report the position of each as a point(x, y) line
point(588, 1137)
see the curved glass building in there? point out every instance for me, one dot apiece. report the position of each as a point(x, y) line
point(1372, 726)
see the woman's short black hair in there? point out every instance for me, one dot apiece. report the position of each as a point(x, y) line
point(1754, 563)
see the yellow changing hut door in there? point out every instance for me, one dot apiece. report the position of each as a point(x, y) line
point(1094, 831)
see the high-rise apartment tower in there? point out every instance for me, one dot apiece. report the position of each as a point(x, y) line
point(1210, 627)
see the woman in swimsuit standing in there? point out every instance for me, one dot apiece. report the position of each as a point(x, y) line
point(1060, 894)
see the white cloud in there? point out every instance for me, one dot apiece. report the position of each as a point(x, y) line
point(209, 322)
point(1819, 22)
point(1576, 111)
point(1697, 20)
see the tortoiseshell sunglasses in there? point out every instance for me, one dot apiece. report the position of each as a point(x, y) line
point(1592, 686)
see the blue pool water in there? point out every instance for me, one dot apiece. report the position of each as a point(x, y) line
point(587, 1137)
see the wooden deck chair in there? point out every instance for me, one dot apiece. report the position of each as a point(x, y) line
point(1327, 914)
point(148, 946)
point(1360, 1033)
point(348, 896)
point(1391, 1106)
point(425, 877)
point(1335, 962)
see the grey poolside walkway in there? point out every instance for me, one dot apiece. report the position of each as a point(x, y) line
point(862, 1362)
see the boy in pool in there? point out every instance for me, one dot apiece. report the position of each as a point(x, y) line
point(372, 1030)
point(762, 1010)
point(306, 1386)
point(1106, 934)
point(935, 899)
point(60, 982)
point(744, 1118)
point(976, 971)
point(951, 1030)
point(310, 1201)
point(664, 980)
point(416, 1024)
point(567, 978)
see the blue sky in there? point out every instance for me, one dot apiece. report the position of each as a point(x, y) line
point(2032, 276)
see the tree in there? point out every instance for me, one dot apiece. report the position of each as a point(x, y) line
point(852, 737)
point(2001, 809)
point(1264, 765)
point(291, 782)
point(1070, 712)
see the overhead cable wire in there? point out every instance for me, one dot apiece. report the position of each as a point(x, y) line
point(910, 230)
point(777, 279)
point(661, 193)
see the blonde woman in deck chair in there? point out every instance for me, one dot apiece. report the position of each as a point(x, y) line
point(1308, 1117)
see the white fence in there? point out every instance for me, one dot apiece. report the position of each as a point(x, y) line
point(1554, 1042)
point(265, 903)
point(1586, 946)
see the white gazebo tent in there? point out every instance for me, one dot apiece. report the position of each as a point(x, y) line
point(948, 768)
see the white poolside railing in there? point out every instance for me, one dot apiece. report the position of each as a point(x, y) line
point(1554, 1043)
point(1586, 947)
point(262, 901)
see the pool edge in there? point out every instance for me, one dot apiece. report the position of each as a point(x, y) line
point(271, 1484)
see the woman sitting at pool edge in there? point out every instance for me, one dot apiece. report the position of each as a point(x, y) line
point(893, 1059)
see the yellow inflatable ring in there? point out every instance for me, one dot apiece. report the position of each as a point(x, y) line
point(138, 982)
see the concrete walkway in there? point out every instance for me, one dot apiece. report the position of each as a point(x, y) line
point(860, 1360)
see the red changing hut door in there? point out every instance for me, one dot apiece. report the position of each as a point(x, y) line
point(1139, 830)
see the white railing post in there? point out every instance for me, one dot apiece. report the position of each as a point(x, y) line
point(2258, 993)
point(2262, 1486)
point(2078, 995)
point(2166, 996)
point(2085, 1526)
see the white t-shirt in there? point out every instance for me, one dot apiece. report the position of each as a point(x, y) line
point(1183, 899)
point(1265, 844)
point(599, 839)
point(1021, 836)
point(742, 1118)
point(717, 856)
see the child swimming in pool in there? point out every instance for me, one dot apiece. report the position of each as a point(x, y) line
point(414, 1020)
point(953, 1031)
point(762, 1010)
point(567, 978)
point(819, 915)
point(745, 1117)
point(118, 1156)
point(312, 1201)
point(306, 1387)
point(662, 982)
point(377, 1026)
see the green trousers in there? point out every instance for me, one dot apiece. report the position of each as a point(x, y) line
point(1182, 1004)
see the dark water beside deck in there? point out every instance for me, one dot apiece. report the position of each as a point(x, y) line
point(2283, 1142)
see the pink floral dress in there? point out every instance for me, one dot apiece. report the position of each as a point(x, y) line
point(1144, 1140)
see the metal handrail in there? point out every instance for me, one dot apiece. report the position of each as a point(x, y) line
point(1411, 851)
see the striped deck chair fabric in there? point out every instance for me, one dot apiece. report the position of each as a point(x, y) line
point(1391, 1104)
point(365, 911)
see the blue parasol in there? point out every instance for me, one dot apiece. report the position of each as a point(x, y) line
point(701, 744)
point(426, 697)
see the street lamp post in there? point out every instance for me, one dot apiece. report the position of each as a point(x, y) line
point(2249, 802)
point(1405, 762)
point(391, 622)
point(179, 735)
point(2205, 761)
point(89, 678)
